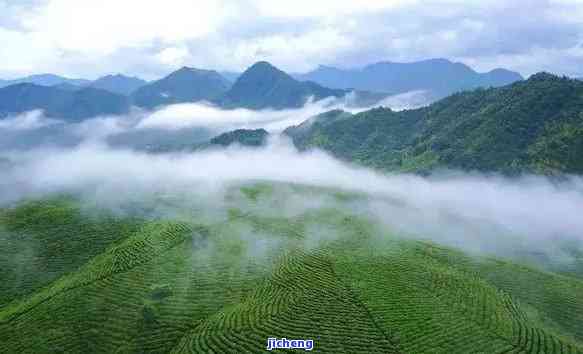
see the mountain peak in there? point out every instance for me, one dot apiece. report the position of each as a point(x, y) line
point(183, 85)
point(262, 65)
point(118, 83)
point(186, 69)
point(263, 68)
point(263, 85)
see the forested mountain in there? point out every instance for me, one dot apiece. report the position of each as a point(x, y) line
point(65, 104)
point(440, 77)
point(245, 137)
point(265, 86)
point(184, 85)
point(534, 125)
point(120, 84)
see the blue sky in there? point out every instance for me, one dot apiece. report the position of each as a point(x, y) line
point(89, 38)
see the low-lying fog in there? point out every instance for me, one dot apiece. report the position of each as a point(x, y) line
point(479, 213)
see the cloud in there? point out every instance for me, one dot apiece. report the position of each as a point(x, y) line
point(27, 121)
point(173, 56)
point(188, 115)
point(407, 100)
point(489, 214)
point(96, 159)
point(177, 125)
point(152, 38)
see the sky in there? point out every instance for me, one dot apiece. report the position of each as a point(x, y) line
point(89, 38)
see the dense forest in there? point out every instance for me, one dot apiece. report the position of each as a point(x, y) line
point(530, 126)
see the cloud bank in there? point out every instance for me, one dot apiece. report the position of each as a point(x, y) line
point(175, 125)
point(485, 214)
point(42, 36)
point(101, 160)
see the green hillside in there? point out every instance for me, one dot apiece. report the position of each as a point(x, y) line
point(530, 126)
point(224, 279)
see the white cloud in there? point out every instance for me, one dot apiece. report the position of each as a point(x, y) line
point(101, 27)
point(326, 8)
point(89, 38)
point(173, 56)
point(528, 213)
point(27, 121)
point(189, 115)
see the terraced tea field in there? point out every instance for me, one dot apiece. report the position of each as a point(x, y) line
point(80, 279)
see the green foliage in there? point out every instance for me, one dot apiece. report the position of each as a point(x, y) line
point(529, 126)
point(245, 137)
point(226, 286)
point(44, 240)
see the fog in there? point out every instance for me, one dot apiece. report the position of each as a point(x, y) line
point(175, 125)
point(474, 212)
point(478, 213)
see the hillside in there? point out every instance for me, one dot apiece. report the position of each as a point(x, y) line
point(71, 105)
point(184, 85)
point(440, 77)
point(534, 125)
point(264, 86)
point(82, 279)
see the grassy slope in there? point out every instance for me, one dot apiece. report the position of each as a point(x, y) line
point(168, 286)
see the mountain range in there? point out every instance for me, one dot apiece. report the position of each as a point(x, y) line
point(440, 77)
point(534, 125)
point(71, 105)
point(529, 125)
point(261, 86)
point(44, 80)
point(120, 84)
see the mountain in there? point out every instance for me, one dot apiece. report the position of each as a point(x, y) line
point(63, 104)
point(120, 84)
point(439, 76)
point(45, 80)
point(530, 126)
point(264, 86)
point(198, 139)
point(184, 85)
point(245, 137)
point(230, 75)
point(67, 86)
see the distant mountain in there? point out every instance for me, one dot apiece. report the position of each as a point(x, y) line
point(63, 104)
point(245, 137)
point(120, 84)
point(45, 80)
point(441, 77)
point(230, 75)
point(184, 85)
point(265, 86)
point(195, 140)
point(67, 86)
point(530, 126)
